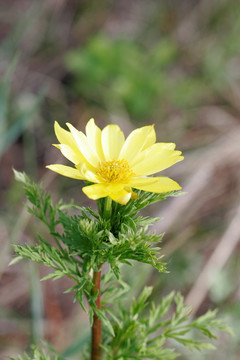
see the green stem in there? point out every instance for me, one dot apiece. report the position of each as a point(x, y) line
point(97, 324)
point(108, 208)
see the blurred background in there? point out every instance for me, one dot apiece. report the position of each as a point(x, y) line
point(172, 63)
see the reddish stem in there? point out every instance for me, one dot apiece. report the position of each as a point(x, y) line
point(97, 325)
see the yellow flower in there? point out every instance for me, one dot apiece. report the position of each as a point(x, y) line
point(113, 164)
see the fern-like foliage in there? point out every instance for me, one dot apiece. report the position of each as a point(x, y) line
point(142, 334)
point(87, 240)
point(82, 243)
point(37, 354)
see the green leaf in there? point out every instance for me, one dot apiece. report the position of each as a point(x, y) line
point(15, 260)
point(21, 176)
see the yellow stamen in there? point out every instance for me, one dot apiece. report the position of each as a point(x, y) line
point(115, 171)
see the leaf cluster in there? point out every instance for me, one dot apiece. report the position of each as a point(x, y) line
point(87, 239)
point(141, 333)
point(129, 236)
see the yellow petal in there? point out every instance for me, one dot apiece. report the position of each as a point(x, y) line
point(84, 146)
point(74, 156)
point(94, 138)
point(63, 136)
point(167, 146)
point(155, 184)
point(67, 140)
point(112, 142)
point(122, 197)
point(158, 147)
point(88, 172)
point(137, 141)
point(66, 171)
point(154, 159)
point(98, 191)
point(95, 191)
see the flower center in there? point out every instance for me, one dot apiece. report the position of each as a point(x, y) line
point(115, 171)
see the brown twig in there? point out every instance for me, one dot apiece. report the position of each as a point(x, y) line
point(97, 324)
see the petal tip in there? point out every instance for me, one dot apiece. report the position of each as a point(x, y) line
point(57, 126)
point(70, 126)
point(58, 146)
point(175, 186)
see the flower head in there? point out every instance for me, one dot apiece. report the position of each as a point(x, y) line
point(113, 164)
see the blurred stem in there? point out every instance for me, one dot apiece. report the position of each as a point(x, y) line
point(30, 153)
point(36, 304)
point(97, 324)
point(30, 160)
